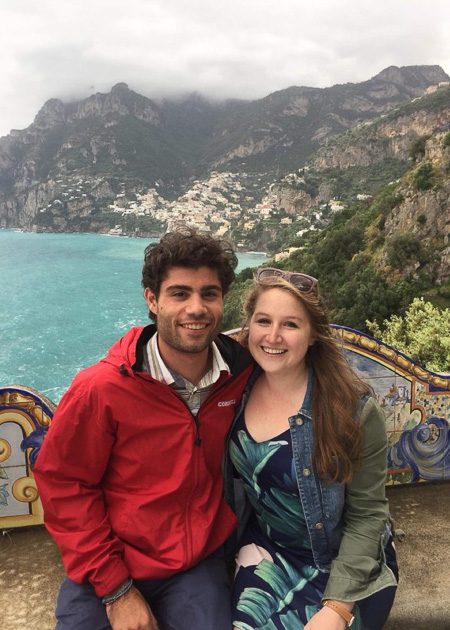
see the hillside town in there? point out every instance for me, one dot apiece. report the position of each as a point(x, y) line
point(219, 204)
point(209, 205)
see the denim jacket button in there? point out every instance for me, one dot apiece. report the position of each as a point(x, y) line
point(319, 525)
point(299, 422)
point(306, 472)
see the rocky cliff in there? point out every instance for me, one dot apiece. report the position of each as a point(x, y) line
point(388, 136)
point(424, 212)
point(366, 157)
point(73, 160)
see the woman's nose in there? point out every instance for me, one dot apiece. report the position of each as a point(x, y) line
point(273, 335)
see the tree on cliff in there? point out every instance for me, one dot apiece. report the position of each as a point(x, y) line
point(423, 334)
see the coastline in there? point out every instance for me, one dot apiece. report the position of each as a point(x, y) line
point(69, 297)
point(123, 235)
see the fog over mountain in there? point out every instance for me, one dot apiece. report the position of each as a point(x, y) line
point(168, 48)
point(79, 161)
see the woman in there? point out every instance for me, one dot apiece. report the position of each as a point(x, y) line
point(309, 444)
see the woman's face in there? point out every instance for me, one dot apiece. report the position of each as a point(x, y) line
point(279, 332)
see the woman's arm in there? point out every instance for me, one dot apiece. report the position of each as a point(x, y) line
point(359, 569)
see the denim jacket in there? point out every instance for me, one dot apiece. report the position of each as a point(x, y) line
point(348, 524)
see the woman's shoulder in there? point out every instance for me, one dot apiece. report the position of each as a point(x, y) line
point(372, 420)
point(370, 407)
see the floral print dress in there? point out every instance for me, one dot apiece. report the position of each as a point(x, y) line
point(277, 585)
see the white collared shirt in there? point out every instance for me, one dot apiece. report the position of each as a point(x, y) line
point(194, 395)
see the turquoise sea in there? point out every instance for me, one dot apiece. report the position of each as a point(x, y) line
point(65, 298)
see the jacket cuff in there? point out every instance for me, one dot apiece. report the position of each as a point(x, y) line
point(111, 577)
point(347, 589)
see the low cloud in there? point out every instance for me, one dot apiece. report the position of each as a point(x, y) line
point(223, 50)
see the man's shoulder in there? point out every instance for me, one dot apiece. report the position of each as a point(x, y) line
point(96, 376)
point(236, 356)
point(120, 358)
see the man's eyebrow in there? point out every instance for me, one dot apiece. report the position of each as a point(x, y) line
point(184, 287)
point(187, 287)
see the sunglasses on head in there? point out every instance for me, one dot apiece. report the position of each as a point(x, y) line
point(299, 280)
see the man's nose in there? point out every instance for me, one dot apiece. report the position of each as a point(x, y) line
point(196, 305)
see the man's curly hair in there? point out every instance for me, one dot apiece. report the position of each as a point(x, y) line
point(188, 249)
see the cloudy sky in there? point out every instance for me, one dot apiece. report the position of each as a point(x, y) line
point(70, 49)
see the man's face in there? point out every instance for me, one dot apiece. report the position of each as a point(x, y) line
point(189, 309)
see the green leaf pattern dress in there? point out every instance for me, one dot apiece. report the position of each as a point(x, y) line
point(277, 586)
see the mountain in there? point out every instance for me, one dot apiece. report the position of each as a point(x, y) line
point(75, 159)
point(366, 157)
point(378, 254)
point(281, 130)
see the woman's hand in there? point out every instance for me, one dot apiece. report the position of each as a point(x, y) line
point(326, 619)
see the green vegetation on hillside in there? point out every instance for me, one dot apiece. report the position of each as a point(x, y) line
point(369, 138)
point(347, 258)
point(353, 288)
point(417, 149)
point(423, 177)
point(368, 272)
point(431, 102)
point(346, 184)
point(423, 334)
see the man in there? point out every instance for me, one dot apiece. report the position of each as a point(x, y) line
point(130, 471)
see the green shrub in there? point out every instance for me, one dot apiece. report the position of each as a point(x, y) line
point(363, 291)
point(385, 202)
point(421, 219)
point(417, 148)
point(423, 334)
point(424, 176)
point(402, 249)
point(232, 311)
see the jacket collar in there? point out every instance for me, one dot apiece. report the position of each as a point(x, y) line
point(306, 408)
point(234, 355)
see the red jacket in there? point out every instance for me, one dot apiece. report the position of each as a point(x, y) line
point(125, 489)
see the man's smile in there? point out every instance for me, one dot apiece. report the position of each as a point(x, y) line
point(194, 326)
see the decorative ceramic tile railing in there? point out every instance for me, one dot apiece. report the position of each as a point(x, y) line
point(416, 403)
point(25, 416)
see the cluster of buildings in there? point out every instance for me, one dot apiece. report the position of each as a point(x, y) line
point(218, 205)
point(223, 203)
point(70, 189)
point(434, 88)
point(214, 205)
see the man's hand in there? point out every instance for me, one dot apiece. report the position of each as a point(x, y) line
point(131, 612)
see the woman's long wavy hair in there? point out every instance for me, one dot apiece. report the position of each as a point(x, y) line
point(337, 389)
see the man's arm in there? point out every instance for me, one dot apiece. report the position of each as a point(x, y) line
point(68, 472)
